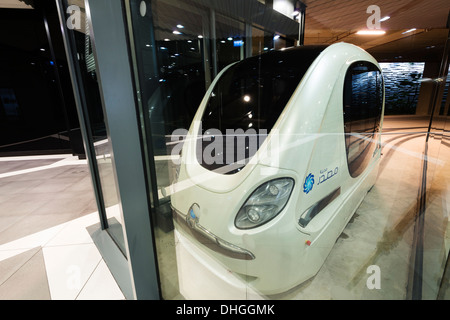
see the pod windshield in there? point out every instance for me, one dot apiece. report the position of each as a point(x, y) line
point(245, 104)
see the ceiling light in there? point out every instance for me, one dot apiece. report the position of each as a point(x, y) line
point(276, 37)
point(410, 30)
point(371, 32)
point(223, 41)
point(200, 37)
point(42, 49)
point(230, 39)
point(180, 26)
point(166, 39)
point(176, 32)
point(385, 18)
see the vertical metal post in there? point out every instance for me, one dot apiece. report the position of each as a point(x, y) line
point(110, 46)
point(248, 40)
point(301, 30)
point(212, 21)
point(82, 110)
point(54, 66)
point(205, 47)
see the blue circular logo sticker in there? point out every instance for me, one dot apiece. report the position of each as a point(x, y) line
point(309, 182)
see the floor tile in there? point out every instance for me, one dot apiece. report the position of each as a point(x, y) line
point(17, 187)
point(17, 239)
point(101, 286)
point(11, 166)
point(20, 206)
point(69, 268)
point(74, 232)
point(29, 282)
point(35, 224)
point(13, 260)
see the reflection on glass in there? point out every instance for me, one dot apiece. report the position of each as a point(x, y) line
point(402, 82)
point(101, 142)
point(180, 46)
point(250, 94)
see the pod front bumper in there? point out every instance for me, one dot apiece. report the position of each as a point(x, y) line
point(210, 240)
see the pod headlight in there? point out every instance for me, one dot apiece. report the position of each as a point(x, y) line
point(265, 203)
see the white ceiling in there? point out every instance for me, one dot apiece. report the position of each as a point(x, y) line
point(329, 21)
point(351, 14)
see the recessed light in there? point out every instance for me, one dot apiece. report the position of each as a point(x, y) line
point(200, 37)
point(371, 32)
point(230, 38)
point(176, 32)
point(410, 30)
point(180, 26)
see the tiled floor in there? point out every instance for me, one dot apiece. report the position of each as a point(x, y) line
point(46, 203)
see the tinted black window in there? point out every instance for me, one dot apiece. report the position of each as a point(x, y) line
point(247, 100)
point(363, 101)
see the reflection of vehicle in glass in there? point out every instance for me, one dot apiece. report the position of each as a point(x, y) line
point(299, 150)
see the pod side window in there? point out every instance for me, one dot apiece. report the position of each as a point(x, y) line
point(363, 102)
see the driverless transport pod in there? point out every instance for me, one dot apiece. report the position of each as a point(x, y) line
point(282, 151)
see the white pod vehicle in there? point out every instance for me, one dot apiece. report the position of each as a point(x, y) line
point(281, 152)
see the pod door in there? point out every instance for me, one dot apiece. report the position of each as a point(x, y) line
point(363, 105)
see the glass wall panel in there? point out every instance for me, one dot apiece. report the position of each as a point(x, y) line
point(37, 110)
point(230, 40)
point(293, 222)
point(97, 126)
point(411, 227)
